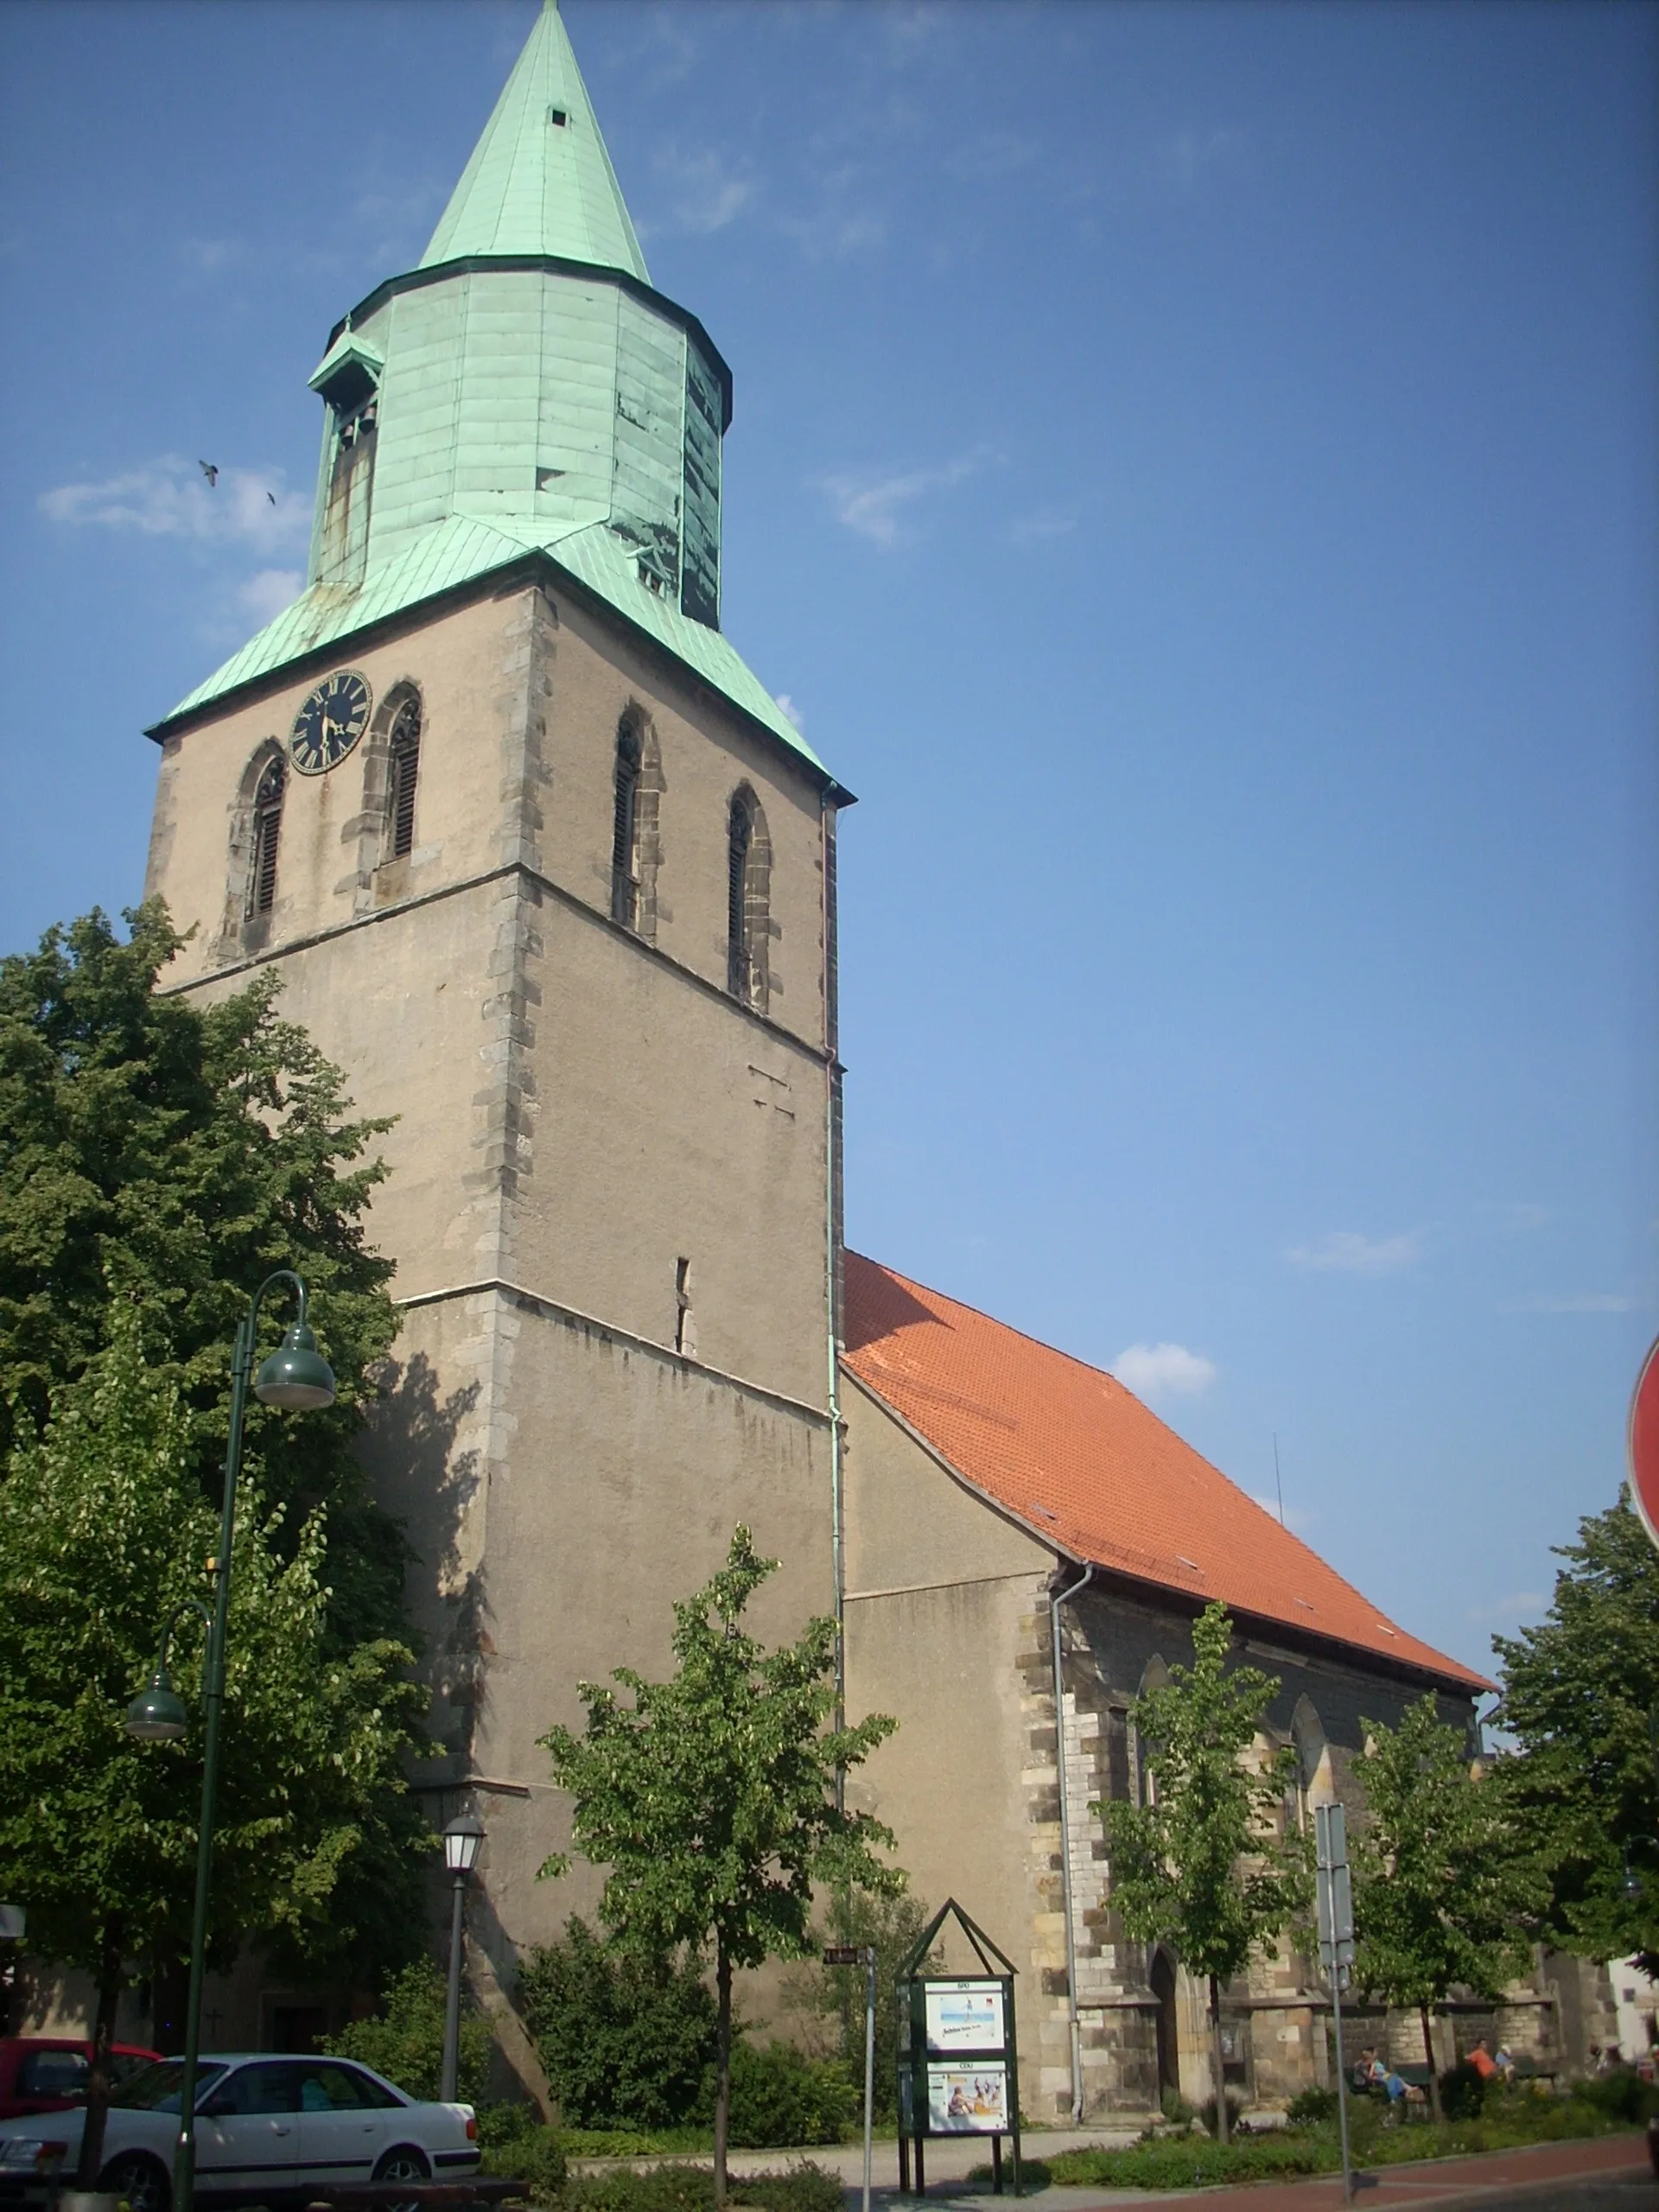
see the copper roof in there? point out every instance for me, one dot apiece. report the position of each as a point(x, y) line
point(1066, 1450)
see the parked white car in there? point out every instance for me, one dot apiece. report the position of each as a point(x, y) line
point(269, 2130)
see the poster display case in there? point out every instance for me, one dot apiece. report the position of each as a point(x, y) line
point(958, 2072)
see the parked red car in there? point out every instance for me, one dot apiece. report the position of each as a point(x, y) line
point(48, 2073)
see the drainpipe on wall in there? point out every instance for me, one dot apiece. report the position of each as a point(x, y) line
point(1056, 1599)
point(837, 1531)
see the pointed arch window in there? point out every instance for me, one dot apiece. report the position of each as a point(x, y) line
point(749, 878)
point(268, 798)
point(625, 827)
point(403, 773)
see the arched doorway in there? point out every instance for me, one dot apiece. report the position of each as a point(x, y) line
point(1162, 1978)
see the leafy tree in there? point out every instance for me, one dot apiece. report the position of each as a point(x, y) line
point(156, 1147)
point(1578, 1698)
point(713, 1798)
point(1442, 1896)
point(833, 1997)
point(405, 2039)
point(1207, 1866)
point(626, 2036)
point(104, 1533)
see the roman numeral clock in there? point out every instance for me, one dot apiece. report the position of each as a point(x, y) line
point(330, 722)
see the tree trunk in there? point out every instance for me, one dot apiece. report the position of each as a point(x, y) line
point(722, 2063)
point(1433, 2063)
point(1216, 2066)
point(98, 2081)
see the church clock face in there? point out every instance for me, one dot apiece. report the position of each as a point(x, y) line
point(330, 722)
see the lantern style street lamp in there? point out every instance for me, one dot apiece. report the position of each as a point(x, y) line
point(461, 1841)
point(297, 1378)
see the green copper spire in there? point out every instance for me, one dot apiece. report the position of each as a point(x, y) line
point(540, 181)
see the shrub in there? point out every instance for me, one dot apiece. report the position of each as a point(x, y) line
point(626, 2041)
point(405, 2039)
point(1207, 2113)
point(829, 2001)
point(1175, 2107)
point(1312, 2108)
point(533, 2155)
point(804, 2188)
point(781, 2097)
point(1622, 2095)
point(1186, 2161)
point(1463, 2091)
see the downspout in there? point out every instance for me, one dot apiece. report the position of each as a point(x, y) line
point(832, 1379)
point(1056, 1599)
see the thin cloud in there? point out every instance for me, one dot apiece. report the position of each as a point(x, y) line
point(1296, 1521)
point(209, 256)
point(1041, 527)
point(707, 194)
point(1344, 1251)
point(1517, 1603)
point(1164, 1372)
point(1583, 1301)
point(265, 596)
point(172, 498)
point(1188, 157)
point(876, 507)
point(792, 712)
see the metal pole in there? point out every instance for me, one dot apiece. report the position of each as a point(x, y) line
point(184, 2159)
point(1342, 2086)
point(452, 2000)
point(869, 2066)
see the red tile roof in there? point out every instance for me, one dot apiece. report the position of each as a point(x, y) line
point(1067, 1451)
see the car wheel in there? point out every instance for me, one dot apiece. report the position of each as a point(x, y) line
point(404, 2163)
point(139, 2181)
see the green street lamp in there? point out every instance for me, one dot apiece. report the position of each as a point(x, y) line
point(299, 1379)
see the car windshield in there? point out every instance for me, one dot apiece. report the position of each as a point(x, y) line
point(156, 2088)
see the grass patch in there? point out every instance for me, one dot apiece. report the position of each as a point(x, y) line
point(1190, 2161)
point(805, 2188)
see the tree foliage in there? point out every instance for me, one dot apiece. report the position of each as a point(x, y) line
point(712, 1798)
point(404, 2040)
point(1579, 1699)
point(626, 2037)
point(1443, 1897)
point(1207, 1866)
point(157, 1147)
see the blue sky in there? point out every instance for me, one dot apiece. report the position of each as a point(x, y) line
point(1192, 476)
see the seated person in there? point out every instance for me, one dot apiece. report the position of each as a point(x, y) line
point(1372, 2074)
point(1482, 2060)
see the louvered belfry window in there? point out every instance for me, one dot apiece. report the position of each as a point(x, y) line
point(739, 922)
point(404, 768)
point(624, 833)
point(267, 829)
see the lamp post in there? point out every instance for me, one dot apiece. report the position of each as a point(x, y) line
point(462, 1841)
point(297, 1378)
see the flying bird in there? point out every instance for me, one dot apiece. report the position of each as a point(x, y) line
point(272, 496)
point(210, 472)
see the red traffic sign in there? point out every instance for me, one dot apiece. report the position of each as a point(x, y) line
point(1644, 1443)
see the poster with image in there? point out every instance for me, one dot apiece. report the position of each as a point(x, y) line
point(964, 2015)
point(968, 2100)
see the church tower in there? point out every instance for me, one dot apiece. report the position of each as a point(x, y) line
point(542, 865)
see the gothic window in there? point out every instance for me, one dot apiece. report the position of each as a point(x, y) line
point(748, 884)
point(624, 831)
point(402, 772)
point(267, 831)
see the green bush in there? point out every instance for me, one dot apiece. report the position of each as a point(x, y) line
point(533, 2155)
point(1312, 2108)
point(626, 2041)
point(1188, 2162)
point(832, 1998)
point(1622, 2095)
point(804, 2188)
point(1463, 2091)
point(1175, 2107)
point(1207, 2113)
point(405, 2039)
point(781, 2097)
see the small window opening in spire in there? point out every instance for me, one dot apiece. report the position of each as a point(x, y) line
point(624, 828)
point(557, 116)
point(403, 767)
point(267, 830)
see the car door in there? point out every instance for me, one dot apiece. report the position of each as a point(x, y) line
point(248, 2132)
point(342, 2122)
